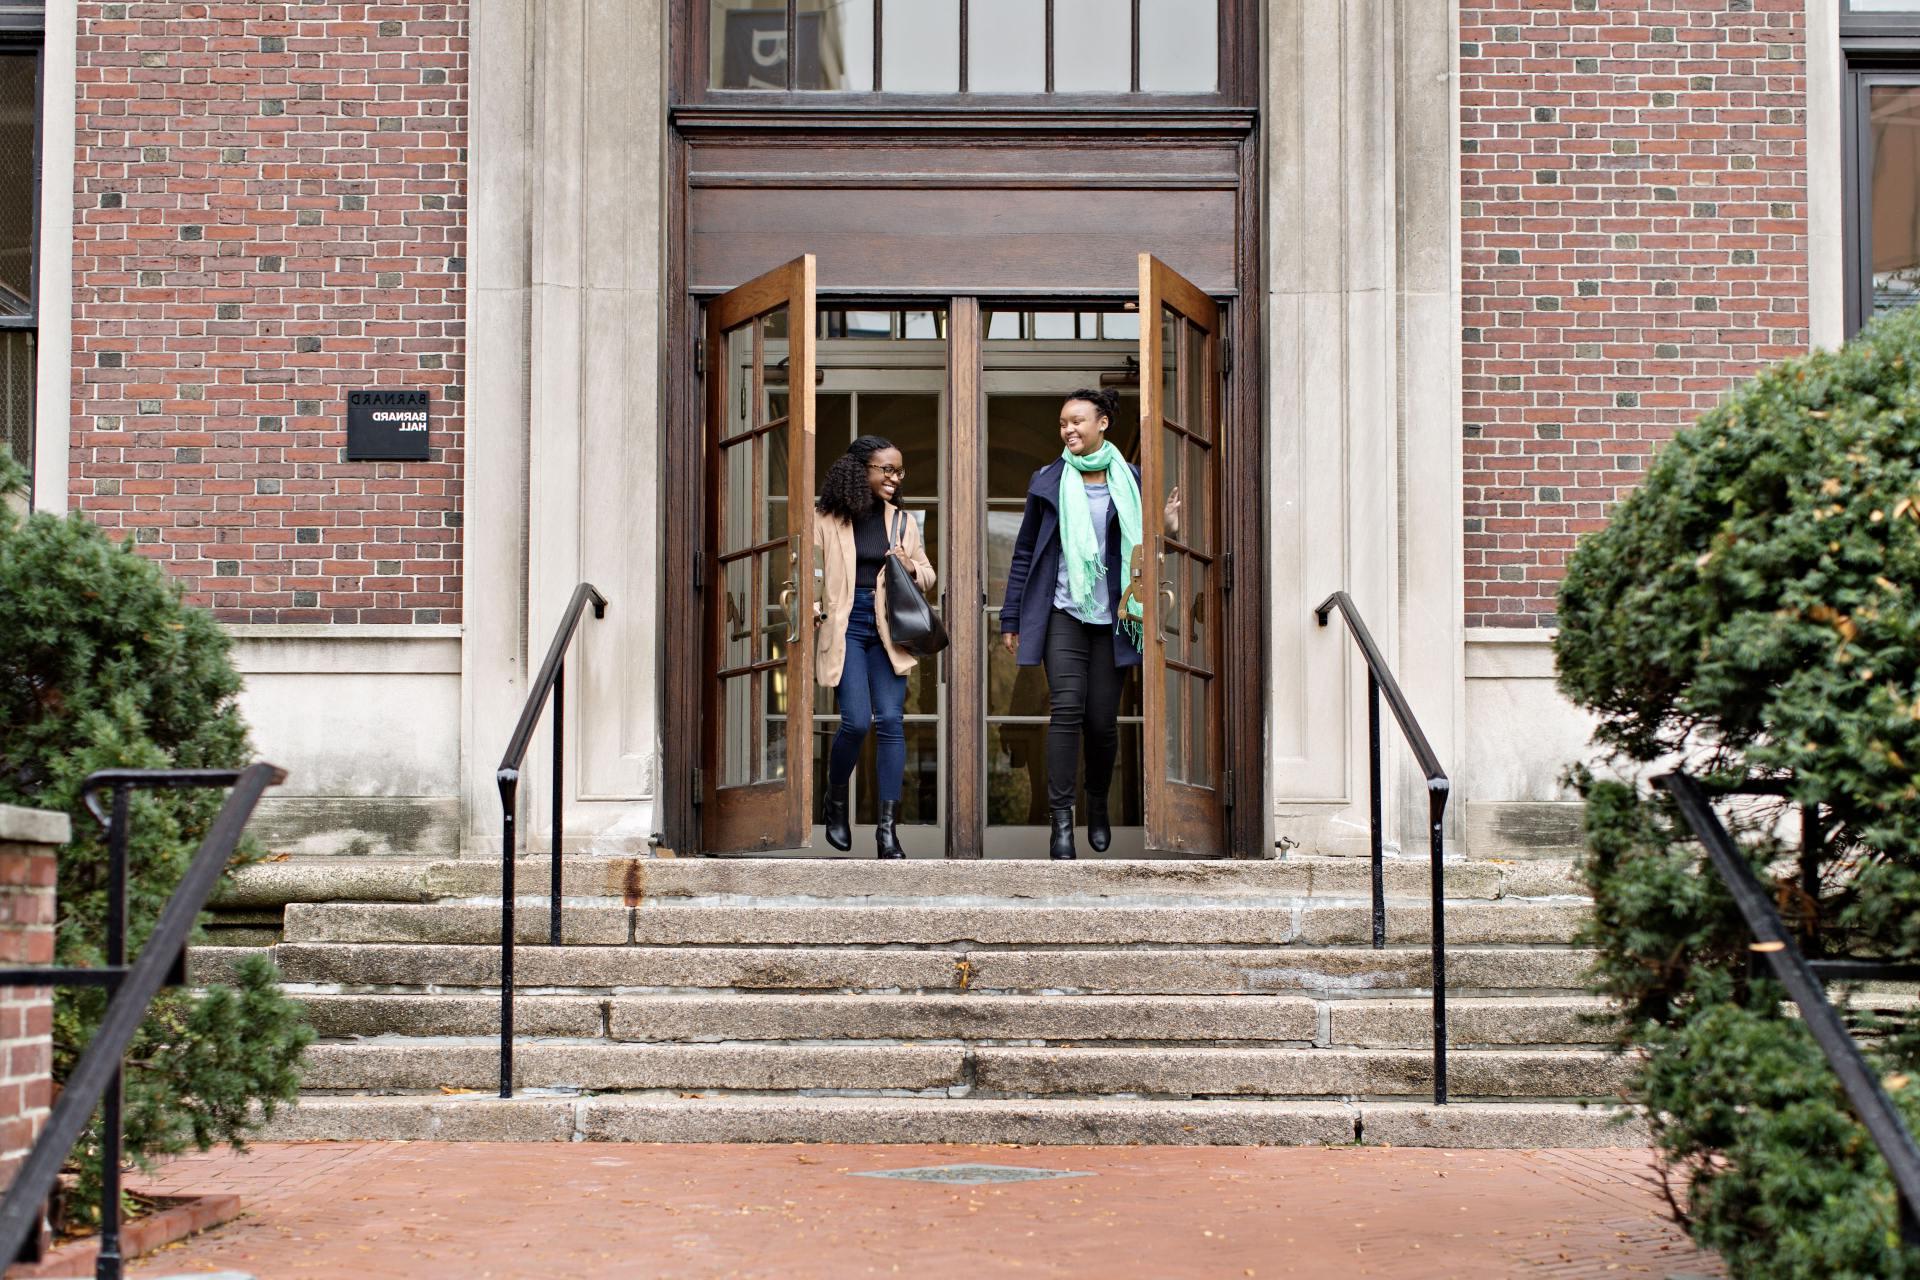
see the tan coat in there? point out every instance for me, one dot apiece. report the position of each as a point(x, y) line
point(833, 540)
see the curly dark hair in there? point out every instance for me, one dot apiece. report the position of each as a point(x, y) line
point(846, 492)
point(1105, 402)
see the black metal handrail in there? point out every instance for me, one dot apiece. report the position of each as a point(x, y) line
point(1802, 978)
point(551, 681)
point(97, 1078)
point(1380, 680)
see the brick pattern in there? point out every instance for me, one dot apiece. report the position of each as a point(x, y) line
point(26, 1013)
point(270, 210)
point(1634, 242)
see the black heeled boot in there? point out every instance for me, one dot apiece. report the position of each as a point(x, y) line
point(839, 831)
point(884, 838)
point(1060, 845)
point(1099, 828)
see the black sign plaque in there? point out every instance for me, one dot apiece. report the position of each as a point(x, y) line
point(387, 426)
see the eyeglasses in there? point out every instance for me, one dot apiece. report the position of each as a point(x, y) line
point(890, 472)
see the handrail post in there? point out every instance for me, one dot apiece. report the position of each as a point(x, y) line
point(1373, 789)
point(509, 781)
point(110, 1263)
point(1437, 794)
point(559, 814)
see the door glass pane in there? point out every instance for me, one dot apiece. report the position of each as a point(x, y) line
point(1170, 591)
point(832, 432)
point(773, 358)
point(1092, 46)
point(1173, 450)
point(19, 102)
point(920, 46)
point(1003, 529)
point(1179, 46)
point(17, 373)
point(1175, 728)
point(737, 501)
point(1017, 774)
point(1196, 526)
point(773, 734)
point(1199, 773)
point(749, 44)
point(1013, 690)
point(836, 45)
point(1194, 609)
point(777, 588)
point(736, 738)
point(737, 614)
point(1025, 433)
point(775, 449)
point(912, 422)
point(1006, 48)
point(1895, 213)
point(737, 370)
point(1194, 380)
point(1170, 323)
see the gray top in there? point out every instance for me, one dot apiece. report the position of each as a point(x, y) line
point(1099, 505)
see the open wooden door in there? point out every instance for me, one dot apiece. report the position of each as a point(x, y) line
point(1179, 569)
point(756, 566)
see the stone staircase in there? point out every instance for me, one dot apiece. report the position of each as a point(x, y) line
point(850, 1000)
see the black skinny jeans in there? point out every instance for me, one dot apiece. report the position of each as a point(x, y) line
point(1084, 688)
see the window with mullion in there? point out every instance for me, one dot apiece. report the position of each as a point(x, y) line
point(21, 38)
point(976, 48)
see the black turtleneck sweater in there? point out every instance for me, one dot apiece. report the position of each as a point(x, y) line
point(869, 545)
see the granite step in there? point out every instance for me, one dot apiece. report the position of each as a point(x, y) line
point(1353, 970)
point(973, 1018)
point(482, 1117)
point(1313, 922)
point(421, 1065)
point(632, 881)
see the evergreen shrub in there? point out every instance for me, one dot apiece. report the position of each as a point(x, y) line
point(103, 666)
point(1750, 611)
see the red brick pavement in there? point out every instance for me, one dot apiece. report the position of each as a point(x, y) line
point(591, 1210)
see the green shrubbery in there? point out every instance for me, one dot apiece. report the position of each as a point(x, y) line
point(1751, 610)
point(102, 666)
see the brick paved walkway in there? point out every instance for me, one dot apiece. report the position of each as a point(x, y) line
point(793, 1212)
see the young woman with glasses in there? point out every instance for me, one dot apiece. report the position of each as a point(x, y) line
point(852, 653)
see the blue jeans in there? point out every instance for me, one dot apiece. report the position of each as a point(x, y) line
point(871, 697)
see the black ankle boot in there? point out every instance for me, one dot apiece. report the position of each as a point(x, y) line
point(1060, 845)
point(884, 838)
point(1099, 829)
point(839, 833)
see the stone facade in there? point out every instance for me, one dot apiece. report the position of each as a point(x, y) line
point(269, 209)
point(1509, 247)
point(1634, 241)
point(29, 839)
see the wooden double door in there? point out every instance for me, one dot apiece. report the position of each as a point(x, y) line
point(970, 392)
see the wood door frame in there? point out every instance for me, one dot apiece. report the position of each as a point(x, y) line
point(1243, 520)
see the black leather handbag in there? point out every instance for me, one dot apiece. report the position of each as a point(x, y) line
point(912, 624)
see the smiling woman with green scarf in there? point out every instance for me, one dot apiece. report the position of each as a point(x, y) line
point(1067, 608)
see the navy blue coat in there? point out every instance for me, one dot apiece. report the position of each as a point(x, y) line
point(1036, 562)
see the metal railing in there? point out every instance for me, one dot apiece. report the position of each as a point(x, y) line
point(1380, 681)
point(96, 1079)
point(551, 681)
point(1804, 980)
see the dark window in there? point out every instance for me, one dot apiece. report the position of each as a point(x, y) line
point(965, 47)
point(1881, 42)
point(22, 32)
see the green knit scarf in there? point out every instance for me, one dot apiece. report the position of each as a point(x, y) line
point(1084, 547)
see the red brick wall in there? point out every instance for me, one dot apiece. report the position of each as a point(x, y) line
point(1634, 241)
point(26, 1013)
point(270, 210)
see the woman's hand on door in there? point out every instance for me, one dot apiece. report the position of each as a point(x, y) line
point(1170, 514)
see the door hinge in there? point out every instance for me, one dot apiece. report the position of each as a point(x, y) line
point(699, 571)
point(1226, 788)
point(1226, 572)
point(1226, 359)
point(699, 356)
point(699, 787)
